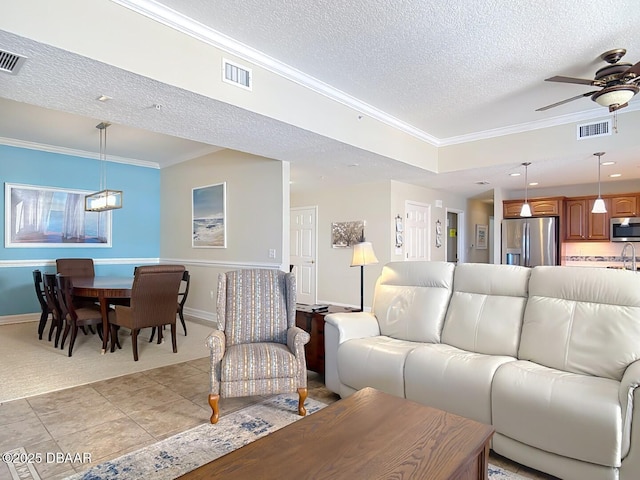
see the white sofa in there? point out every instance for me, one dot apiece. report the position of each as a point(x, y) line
point(548, 356)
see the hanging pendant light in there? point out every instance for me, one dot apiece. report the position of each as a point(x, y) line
point(526, 209)
point(105, 199)
point(598, 205)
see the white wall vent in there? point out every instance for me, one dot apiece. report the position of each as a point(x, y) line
point(10, 62)
point(590, 130)
point(236, 74)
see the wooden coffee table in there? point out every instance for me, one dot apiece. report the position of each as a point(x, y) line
point(368, 435)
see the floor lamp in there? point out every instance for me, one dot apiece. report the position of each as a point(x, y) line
point(363, 255)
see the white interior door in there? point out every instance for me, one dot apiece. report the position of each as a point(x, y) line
point(303, 252)
point(417, 233)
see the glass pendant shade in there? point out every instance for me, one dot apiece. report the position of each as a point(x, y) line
point(599, 206)
point(103, 200)
point(526, 210)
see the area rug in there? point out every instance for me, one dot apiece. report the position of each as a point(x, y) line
point(188, 450)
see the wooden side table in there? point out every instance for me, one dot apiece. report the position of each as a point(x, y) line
point(313, 322)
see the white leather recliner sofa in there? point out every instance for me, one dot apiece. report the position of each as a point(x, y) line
point(548, 356)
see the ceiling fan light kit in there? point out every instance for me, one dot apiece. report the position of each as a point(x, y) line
point(619, 82)
point(615, 97)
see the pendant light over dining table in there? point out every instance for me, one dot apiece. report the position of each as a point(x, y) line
point(105, 199)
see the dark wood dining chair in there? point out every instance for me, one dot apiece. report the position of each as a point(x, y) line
point(45, 310)
point(182, 299)
point(153, 304)
point(51, 295)
point(75, 267)
point(76, 317)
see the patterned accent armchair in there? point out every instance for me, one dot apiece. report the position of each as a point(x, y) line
point(257, 349)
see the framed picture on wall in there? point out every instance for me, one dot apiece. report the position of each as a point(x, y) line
point(209, 217)
point(41, 217)
point(346, 234)
point(481, 236)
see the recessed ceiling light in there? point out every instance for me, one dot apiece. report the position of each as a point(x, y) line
point(353, 165)
point(482, 182)
point(533, 184)
point(606, 164)
point(515, 174)
point(615, 175)
point(103, 98)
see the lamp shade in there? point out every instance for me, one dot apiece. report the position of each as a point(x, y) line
point(363, 254)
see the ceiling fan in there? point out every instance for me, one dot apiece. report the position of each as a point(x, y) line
point(619, 82)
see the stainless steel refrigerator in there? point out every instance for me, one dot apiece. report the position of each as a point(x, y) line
point(530, 241)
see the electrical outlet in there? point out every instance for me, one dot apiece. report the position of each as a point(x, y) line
point(211, 293)
point(272, 253)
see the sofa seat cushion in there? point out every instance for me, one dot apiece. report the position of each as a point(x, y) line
point(573, 415)
point(451, 379)
point(376, 362)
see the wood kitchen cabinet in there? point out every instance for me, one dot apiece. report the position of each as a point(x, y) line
point(581, 224)
point(626, 206)
point(540, 207)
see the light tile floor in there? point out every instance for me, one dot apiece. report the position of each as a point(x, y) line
point(110, 418)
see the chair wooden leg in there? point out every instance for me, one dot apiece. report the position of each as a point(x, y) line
point(184, 325)
point(114, 338)
point(174, 344)
point(302, 396)
point(153, 334)
point(134, 343)
point(74, 334)
point(43, 321)
point(213, 402)
point(64, 335)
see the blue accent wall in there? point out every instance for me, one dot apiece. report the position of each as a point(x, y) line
point(135, 228)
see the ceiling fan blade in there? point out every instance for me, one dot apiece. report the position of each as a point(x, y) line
point(588, 94)
point(579, 81)
point(634, 71)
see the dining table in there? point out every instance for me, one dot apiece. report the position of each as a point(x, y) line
point(105, 289)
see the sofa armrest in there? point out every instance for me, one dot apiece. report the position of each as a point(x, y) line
point(628, 385)
point(338, 328)
point(353, 325)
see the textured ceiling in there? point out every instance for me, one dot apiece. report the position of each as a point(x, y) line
point(455, 71)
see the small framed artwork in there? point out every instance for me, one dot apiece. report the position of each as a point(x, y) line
point(209, 217)
point(346, 234)
point(41, 217)
point(481, 236)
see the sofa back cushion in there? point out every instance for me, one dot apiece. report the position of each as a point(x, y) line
point(582, 320)
point(411, 299)
point(486, 308)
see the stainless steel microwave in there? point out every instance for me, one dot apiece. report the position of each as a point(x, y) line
point(625, 229)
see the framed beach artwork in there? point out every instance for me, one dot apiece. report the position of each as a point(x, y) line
point(37, 217)
point(209, 218)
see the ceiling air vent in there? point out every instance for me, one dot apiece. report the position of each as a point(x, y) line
point(10, 62)
point(590, 130)
point(236, 74)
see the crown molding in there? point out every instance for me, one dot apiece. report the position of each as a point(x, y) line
point(12, 142)
point(173, 19)
point(188, 26)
